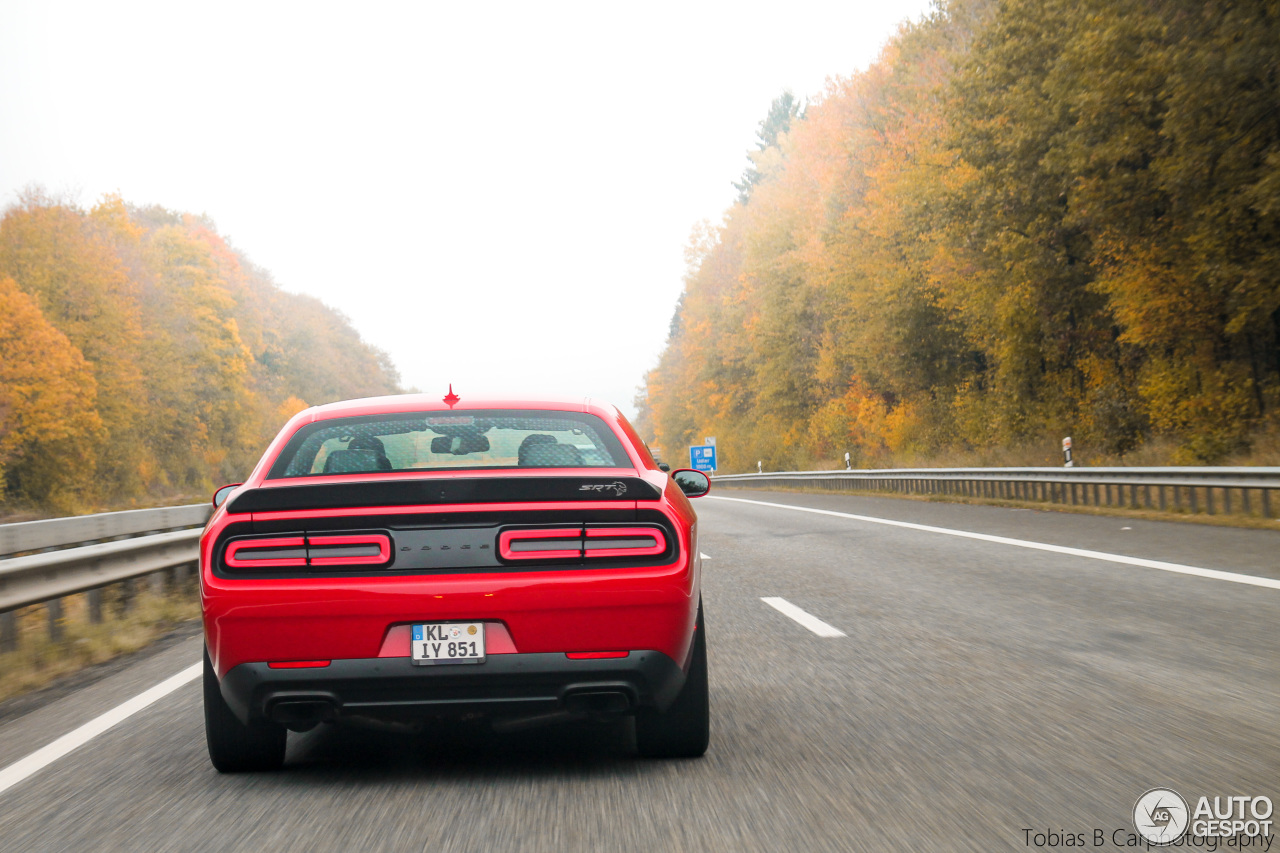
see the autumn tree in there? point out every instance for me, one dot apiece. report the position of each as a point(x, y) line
point(49, 425)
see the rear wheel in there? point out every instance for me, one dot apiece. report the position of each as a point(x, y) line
point(684, 729)
point(233, 746)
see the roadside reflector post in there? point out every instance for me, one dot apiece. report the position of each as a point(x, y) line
point(1066, 453)
point(848, 466)
point(759, 466)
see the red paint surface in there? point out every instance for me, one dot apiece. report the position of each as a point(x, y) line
point(573, 610)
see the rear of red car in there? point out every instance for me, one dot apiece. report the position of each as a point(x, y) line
point(400, 559)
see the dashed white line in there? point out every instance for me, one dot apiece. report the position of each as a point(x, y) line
point(813, 623)
point(43, 757)
point(1177, 568)
point(704, 556)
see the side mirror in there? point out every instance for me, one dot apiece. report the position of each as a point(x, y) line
point(220, 496)
point(662, 466)
point(693, 483)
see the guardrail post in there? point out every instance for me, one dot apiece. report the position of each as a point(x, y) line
point(1191, 498)
point(124, 603)
point(1266, 503)
point(1163, 505)
point(1226, 501)
point(56, 632)
point(94, 599)
point(1208, 500)
point(1248, 504)
point(8, 631)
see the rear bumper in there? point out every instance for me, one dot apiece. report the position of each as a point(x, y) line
point(504, 685)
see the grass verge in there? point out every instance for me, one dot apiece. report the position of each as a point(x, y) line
point(38, 661)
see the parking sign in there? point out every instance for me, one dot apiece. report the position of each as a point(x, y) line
point(702, 457)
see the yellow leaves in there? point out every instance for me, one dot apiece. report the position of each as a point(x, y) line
point(288, 408)
point(1017, 221)
point(124, 366)
point(48, 423)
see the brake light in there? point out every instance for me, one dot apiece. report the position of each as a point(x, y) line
point(590, 542)
point(362, 549)
point(267, 553)
point(552, 544)
point(624, 542)
point(594, 655)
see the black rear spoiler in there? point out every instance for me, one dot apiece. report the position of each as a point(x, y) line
point(416, 492)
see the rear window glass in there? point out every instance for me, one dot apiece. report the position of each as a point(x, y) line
point(450, 441)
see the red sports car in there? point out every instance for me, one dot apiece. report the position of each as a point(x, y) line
point(405, 558)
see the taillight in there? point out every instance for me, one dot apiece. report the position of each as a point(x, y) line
point(273, 552)
point(624, 542)
point(594, 655)
point(551, 544)
point(590, 542)
point(267, 553)
point(361, 550)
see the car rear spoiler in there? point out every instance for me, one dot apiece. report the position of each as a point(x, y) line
point(479, 490)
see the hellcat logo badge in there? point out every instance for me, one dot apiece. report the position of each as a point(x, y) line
point(618, 487)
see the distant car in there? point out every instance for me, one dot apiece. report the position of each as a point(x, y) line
point(398, 559)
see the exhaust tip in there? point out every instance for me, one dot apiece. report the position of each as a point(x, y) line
point(302, 710)
point(606, 701)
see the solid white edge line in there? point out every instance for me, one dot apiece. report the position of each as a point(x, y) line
point(43, 757)
point(1214, 574)
point(813, 623)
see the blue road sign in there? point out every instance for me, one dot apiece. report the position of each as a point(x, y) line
point(702, 457)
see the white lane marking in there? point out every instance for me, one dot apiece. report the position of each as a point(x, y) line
point(813, 623)
point(1214, 574)
point(43, 757)
point(704, 556)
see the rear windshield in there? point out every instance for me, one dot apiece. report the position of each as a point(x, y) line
point(450, 441)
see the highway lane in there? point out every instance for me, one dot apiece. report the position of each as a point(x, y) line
point(979, 689)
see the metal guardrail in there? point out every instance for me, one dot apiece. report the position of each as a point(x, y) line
point(1236, 490)
point(63, 556)
point(65, 532)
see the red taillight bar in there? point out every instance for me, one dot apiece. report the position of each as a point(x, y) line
point(592, 543)
point(599, 550)
point(594, 655)
point(509, 537)
point(378, 539)
point(247, 562)
point(240, 552)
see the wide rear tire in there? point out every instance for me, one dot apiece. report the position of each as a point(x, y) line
point(684, 729)
point(233, 746)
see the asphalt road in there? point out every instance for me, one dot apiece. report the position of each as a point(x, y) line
point(981, 689)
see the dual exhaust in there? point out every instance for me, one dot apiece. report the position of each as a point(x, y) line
point(303, 711)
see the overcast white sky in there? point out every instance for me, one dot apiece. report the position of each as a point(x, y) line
point(497, 194)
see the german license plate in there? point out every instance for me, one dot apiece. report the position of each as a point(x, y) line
point(447, 642)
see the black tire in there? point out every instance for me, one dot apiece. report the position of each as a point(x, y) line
point(233, 746)
point(684, 729)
